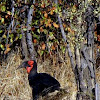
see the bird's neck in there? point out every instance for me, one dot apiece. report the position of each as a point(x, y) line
point(32, 73)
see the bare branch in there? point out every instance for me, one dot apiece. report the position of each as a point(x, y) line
point(11, 24)
point(13, 10)
point(28, 34)
point(86, 57)
point(24, 45)
point(97, 91)
point(68, 45)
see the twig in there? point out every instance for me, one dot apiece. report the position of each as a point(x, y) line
point(2, 89)
point(11, 24)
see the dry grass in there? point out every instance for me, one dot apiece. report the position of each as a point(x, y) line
point(14, 83)
point(98, 75)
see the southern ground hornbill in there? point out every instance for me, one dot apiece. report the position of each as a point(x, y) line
point(41, 83)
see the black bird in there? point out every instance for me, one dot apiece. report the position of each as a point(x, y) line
point(41, 83)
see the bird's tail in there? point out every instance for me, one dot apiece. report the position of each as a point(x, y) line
point(57, 95)
point(50, 89)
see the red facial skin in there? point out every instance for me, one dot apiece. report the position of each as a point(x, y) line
point(29, 68)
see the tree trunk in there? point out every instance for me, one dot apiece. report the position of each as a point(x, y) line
point(86, 69)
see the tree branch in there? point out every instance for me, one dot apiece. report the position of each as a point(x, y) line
point(68, 45)
point(28, 34)
point(24, 45)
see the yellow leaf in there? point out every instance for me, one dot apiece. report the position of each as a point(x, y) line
point(8, 12)
point(51, 12)
point(41, 29)
point(70, 30)
point(53, 47)
point(64, 25)
point(49, 20)
point(16, 38)
point(53, 8)
point(11, 40)
point(2, 20)
point(74, 8)
point(42, 5)
point(60, 1)
point(9, 31)
point(55, 25)
point(7, 50)
point(45, 15)
point(4, 36)
point(49, 25)
point(0, 17)
point(6, 16)
point(2, 46)
point(43, 46)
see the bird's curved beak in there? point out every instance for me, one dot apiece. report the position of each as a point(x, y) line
point(24, 65)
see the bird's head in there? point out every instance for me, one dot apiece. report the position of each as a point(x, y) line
point(29, 66)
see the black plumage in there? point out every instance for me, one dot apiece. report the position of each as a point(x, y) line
point(41, 83)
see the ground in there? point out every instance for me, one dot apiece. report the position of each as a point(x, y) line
point(14, 83)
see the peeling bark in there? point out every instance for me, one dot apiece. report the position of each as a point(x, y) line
point(87, 72)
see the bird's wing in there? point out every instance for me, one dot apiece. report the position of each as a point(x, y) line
point(48, 80)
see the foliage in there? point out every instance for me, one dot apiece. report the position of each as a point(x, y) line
point(45, 29)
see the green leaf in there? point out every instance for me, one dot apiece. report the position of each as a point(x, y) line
point(66, 29)
point(16, 38)
point(56, 10)
point(11, 35)
point(41, 53)
point(45, 31)
point(2, 20)
point(11, 40)
point(24, 29)
point(36, 22)
point(32, 6)
point(3, 8)
point(20, 36)
point(18, 30)
point(4, 36)
point(51, 36)
point(38, 30)
point(36, 36)
point(2, 46)
point(50, 33)
point(63, 49)
point(1, 31)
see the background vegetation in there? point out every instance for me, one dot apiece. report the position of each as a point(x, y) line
point(50, 19)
